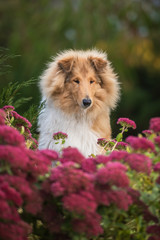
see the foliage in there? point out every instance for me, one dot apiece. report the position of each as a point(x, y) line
point(112, 196)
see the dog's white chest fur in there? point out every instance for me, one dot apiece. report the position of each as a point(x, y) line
point(80, 134)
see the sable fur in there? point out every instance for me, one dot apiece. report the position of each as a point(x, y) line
point(71, 77)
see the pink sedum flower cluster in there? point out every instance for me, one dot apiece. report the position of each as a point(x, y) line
point(68, 198)
point(20, 169)
point(140, 143)
point(12, 118)
point(82, 188)
point(59, 135)
point(126, 122)
point(154, 124)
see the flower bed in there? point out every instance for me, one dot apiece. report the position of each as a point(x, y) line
point(112, 196)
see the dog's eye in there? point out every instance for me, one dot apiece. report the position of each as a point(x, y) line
point(76, 81)
point(91, 81)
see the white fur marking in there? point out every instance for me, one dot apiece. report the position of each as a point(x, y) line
point(80, 135)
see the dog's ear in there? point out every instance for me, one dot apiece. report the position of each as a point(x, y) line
point(66, 65)
point(98, 64)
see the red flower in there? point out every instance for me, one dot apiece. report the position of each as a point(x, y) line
point(14, 231)
point(70, 180)
point(15, 156)
point(39, 163)
point(120, 198)
point(102, 141)
point(101, 195)
point(139, 162)
point(89, 165)
point(59, 135)
point(21, 120)
point(11, 194)
point(11, 136)
point(80, 203)
point(8, 212)
point(121, 145)
point(157, 167)
point(140, 143)
point(114, 174)
point(52, 217)
point(126, 122)
point(155, 124)
point(154, 229)
point(8, 108)
point(102, 159)
point(34, 202)
point(90, 225)
point(57, 189)
point(118, 155)
point(2, 117)
point(72, 155)
point(157, 140)
point(50, 154)
point(147, 132)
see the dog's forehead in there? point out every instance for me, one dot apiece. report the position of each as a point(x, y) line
point(82, 66)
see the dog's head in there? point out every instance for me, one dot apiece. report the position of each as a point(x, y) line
point(80, 81)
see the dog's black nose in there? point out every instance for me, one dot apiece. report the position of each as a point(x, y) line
point(86, 102)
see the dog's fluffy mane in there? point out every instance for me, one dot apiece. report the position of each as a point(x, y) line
point(54, 82)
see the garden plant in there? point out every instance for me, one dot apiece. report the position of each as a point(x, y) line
point(49, 195)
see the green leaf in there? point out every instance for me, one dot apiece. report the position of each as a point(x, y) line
point(119, 137)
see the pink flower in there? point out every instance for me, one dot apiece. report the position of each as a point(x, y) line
point(147, 132)
point(139, 162)
point(140, 143)
point(34, 202)
point(90, 225)
point(154, 229)
point(114, 174)
point(158, 180)
point(89, 165)
point(157, 140)
point(101, 141)
point(20, 120)
point(8, 212)
point(120, 198)
point(8, 108)
point(52, 217)
point(2, 117)
point(14, 231)
point(157, 167)
point(70, 180)
point(101, 195)
point(121, 145)
point(11, 194)
point(154, 238)
point(19, 183)
point(57, 189)
point(59, 135)
point(38, 163)
point(102, 159)
point(80, 203)
point(50, 154)
point(11, 136)
point(155, 124)
point(126, 122)
point(72, 155)
point(118, 155)
point(13, 155)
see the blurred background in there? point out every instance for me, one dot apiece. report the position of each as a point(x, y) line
point(129, 31)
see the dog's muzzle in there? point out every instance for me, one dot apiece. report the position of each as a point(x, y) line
point(86, 102)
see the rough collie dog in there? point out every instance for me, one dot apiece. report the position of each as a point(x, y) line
point(80, 89)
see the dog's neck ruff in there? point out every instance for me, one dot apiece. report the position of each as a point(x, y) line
point(78, 129)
